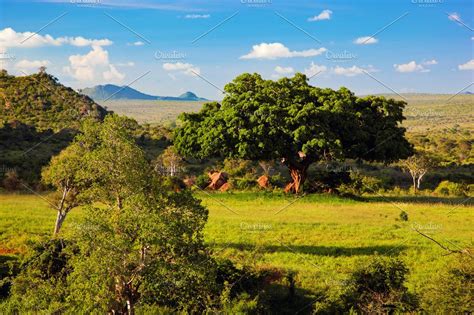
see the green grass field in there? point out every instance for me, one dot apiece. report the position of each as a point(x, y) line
point(321, 238)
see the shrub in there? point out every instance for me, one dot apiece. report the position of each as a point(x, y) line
point(403, 216)
point(374, 288)
point(451, 291)
point(360, 184)
point(12, 182)
point(447, 188)
point(277, 180)
point(202, 181)
point(239, 168)
point(243, 183)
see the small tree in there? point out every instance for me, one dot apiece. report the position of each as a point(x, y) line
point(169, 162)
point(64, 173)
point(417, 166)
point(138, 243)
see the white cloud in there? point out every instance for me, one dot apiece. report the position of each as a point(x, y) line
point(180, 67)
point(467, 66)
point(430, 62)
point(314, 69)
point(10, 38)
point(93, 66)
point(126, 64)
point(29, 66)
point(352, 71)
point(366, 40)
point(138, 43)
point(412, 66)
point(197, 16)
point(284, 70)
point(278, 50)
point(324, 15)
point(81, 41)
point(112, 74)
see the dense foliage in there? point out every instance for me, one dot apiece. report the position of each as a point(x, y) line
point(139, 244)
point(291, 120)
point(40, 100)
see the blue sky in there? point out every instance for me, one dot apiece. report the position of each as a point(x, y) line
point(169, 47)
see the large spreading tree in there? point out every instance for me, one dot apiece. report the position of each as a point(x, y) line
point(295, 122)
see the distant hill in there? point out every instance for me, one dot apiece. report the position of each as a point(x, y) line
point(115, 92)
point(39, 100)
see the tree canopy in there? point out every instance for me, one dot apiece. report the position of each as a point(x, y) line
point(293, 121)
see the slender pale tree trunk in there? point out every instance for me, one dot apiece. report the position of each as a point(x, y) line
point(59, 222)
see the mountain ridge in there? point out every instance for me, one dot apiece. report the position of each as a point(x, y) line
point(115, 92)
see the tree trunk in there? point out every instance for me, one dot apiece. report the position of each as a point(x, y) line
point(414, 184)
point(59, 222)
point(298, 175)
point(418, 184)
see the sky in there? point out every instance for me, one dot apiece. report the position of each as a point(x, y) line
point(170, 47)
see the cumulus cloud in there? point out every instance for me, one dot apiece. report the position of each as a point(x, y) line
point(126, 64)
point(411, 66)
point(180, 67)
point(278, 50)
point(138, 43)
point(197, 16)
point(430, 62)
point(314, 69)
point(324, 15)
point(284, 70)
point(81, 41)
point(29, 66)
point(365, 40)
point(10, 38)
point(352, 71)
point(92, 66)
point(467, 66)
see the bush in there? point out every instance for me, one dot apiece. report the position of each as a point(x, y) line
point(451, 291)
point(12, 182)
point(202, 181)
point(403, 216)
point(360, 184)
point(277, 180)
point(447, 188)
point(379, 288)
point(243, 183)
point(239, 168)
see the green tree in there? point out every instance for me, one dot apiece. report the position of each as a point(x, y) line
point(295, 122)
point(169, 162)
point(417, 166)
point(138, 244)
point(64, 174)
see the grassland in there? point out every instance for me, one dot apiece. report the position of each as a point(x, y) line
point(321, 238)
point(151, 112)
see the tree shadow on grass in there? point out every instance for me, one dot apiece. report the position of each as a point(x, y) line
point(450, 201)
point(333, 251)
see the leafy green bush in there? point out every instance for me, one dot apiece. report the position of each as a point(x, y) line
point(243, 183)
point(361, 184)
point(447, 188)
point(202, 181)
point(403, 216)
point(374, 288)
point(452, 291)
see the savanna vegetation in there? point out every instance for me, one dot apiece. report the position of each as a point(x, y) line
point(327, 205)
